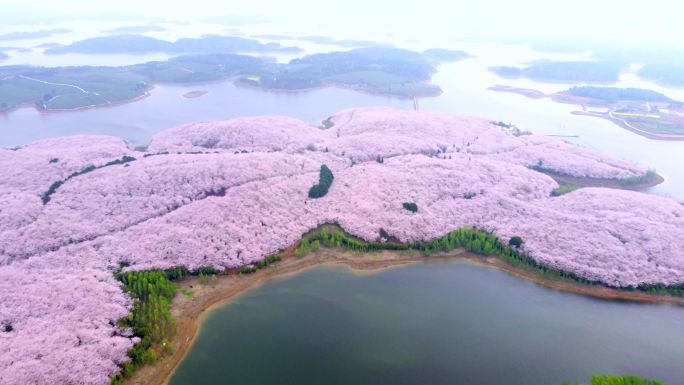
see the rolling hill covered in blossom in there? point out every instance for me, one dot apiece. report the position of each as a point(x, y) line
point(228, 194)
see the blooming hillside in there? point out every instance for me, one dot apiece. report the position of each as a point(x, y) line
point(227, 194)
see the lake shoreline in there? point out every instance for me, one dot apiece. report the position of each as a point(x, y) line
point(190, 311)
point(564, 98)
point(147, 93)
point(605, 182)
point(623, 124)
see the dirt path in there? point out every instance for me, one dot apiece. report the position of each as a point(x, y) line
point(190, 311)
point(55, 84)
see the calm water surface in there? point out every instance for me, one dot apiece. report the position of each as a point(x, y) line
point(432, 323)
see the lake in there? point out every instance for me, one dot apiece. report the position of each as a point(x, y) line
point(428, 323)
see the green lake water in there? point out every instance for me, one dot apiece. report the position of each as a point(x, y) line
point(430, 323)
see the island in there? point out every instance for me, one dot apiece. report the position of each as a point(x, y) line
point(565, 71)
point(138, 44)
point(644, 112)
point(221, 201)
point(4, 56)
point(380, 70)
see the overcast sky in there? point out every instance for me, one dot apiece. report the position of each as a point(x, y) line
point(626, 19)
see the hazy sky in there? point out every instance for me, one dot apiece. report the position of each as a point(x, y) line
point(626, 19)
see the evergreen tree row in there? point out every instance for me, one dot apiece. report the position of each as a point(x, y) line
point(471, 239)
point(324, 181)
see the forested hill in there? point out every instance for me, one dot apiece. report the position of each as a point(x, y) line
point(570, 71)
point(137, 44)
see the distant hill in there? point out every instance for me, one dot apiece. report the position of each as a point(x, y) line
point(3, 56)
point(565, 71)
point(664, 73)
point(325, 40)
point(350, 43)
point(136, 29)
point(137, 44)
point(445, 55)
point(33, 34)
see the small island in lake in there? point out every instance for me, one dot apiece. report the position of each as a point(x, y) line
point(644, 112)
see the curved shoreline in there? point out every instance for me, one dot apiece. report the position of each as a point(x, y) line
point(138, 98)
point(563, 98)
point(190, 312)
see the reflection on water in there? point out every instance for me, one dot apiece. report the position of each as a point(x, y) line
point(434, 323)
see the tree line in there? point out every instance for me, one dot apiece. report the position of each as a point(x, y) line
point(54, 186)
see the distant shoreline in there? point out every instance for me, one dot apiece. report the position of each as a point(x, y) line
point(621, 123)
point(233, 80)
point(604, 182)
point(147, 93)
point(560, 97)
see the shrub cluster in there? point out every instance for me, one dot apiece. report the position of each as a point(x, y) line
point(410, 206)
point(621, 380)
point(564, 189)
point(325, 180)
point(648, 177)
point(261, 264)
